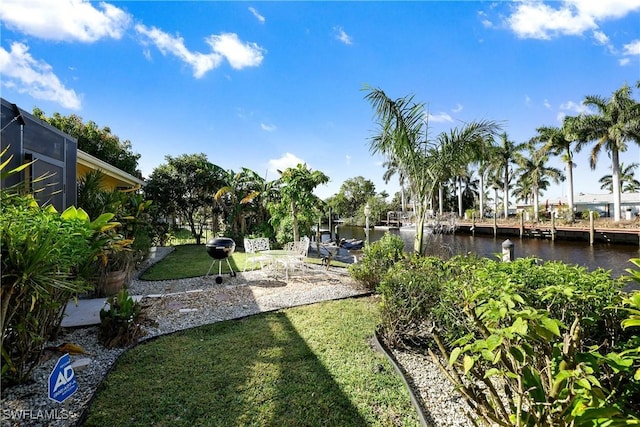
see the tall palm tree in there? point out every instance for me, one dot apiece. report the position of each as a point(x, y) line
point(615, 123)
point(460, 147)
point(481, 151)
point(402, 138)
point(505, 154)
point(535, 171)
point(559, 141)
point(628, 182)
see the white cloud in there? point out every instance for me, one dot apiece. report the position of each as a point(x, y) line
point(624, 61)
point(342, 36)
point(239, 54)
point(571, 107)
point(287, 160)
point(65, 20)
point(574, 107)
point(546, 104)
point(20, 71)
point(457, 109)
point(223, 46)
point(485, 19)
point(632, 49)
point(257, 15)
point(538, 20)
point(440, 118)
point(267, 127)
point(347, 159)
point(601, 37)
point(527, 100)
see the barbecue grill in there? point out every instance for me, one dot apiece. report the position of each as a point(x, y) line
point(220, 249)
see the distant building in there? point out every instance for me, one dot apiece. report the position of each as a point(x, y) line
point(603, 204)
point(57, 156)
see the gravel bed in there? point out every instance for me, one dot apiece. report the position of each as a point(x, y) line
point(442, 405)
point(174, 305)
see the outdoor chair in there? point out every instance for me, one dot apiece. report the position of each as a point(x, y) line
point(253, 249)
point(299, 251)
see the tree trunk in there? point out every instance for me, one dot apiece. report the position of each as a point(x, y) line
point(460, 213)
point(294, 221)
point(506, 193)
point(570, 185)
point(615, 176)
point(420, 220)
point(192, 227)
point(440, 199)
point(536, 205)
point(481, 194)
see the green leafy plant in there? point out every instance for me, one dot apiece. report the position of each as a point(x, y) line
point(119, 324)
point(528, 369)
point(376, 260)
point(525, 342)
point(408, 294)
point(40, 253)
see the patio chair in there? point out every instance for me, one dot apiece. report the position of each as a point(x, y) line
point(299, 251)
point(252, 249)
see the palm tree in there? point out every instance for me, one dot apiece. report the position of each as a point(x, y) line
point(460, 148)
point(402, 137)
point(615, 122)
point(535, 171)
point(558, 141)
point(481, 151)
point(297, 189)
point(238, 191)
point(628, 183)
point(504, 155)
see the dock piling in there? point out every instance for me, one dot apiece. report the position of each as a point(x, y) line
point(592, 229)
point(507, 250)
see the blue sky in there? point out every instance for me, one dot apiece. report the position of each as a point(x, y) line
point(266, 85)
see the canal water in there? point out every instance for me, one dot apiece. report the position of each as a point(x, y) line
point(610, 257)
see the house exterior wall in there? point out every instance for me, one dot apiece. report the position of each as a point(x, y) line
point(52, 176)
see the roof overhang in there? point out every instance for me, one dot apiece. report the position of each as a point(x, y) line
point(122, 178)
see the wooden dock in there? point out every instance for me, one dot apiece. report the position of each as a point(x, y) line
point(553, 232)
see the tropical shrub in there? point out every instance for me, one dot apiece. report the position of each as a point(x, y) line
point(128, 241)
point(41, 250)
point(526, 368)
point(525, 343)
point(119, 324)
point(376, 260)
point(407, 296)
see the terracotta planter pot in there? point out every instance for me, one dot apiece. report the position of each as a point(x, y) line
point(112, 283)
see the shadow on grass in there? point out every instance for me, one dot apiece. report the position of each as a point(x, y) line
point(254, 371)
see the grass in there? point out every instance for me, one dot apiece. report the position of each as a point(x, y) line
point(193, 261)
point(310, 365)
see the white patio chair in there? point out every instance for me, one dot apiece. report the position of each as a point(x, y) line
point(252, 249)
point(299, 251)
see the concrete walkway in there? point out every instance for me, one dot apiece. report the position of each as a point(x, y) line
point(87, 311)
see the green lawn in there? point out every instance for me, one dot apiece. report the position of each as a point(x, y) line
point(310, 365)
point(193, 261)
